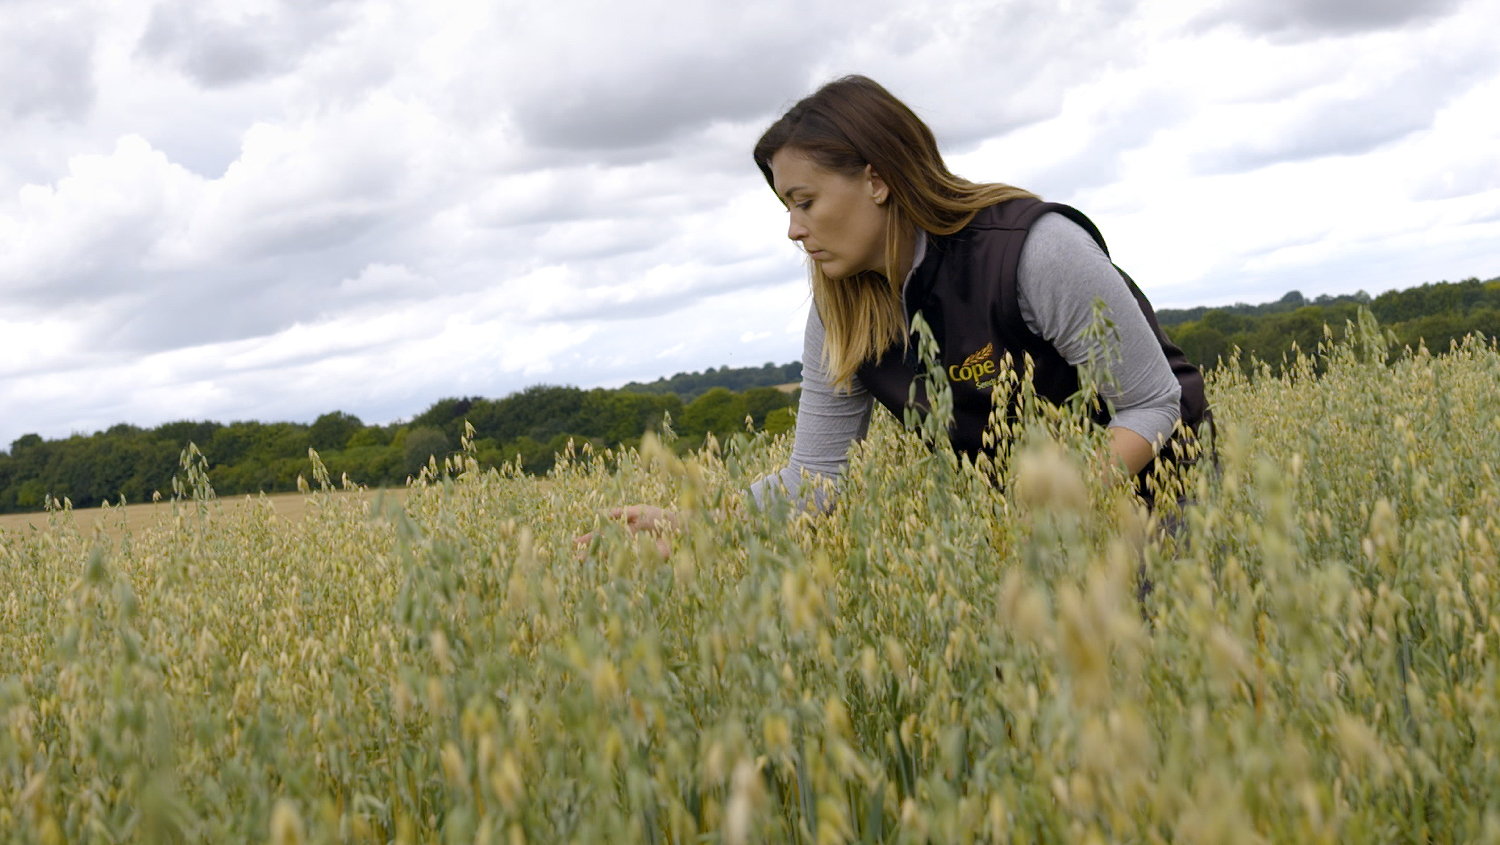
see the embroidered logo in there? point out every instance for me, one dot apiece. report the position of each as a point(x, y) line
point(978, 369)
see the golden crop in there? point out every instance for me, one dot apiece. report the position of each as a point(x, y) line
point(938, 660)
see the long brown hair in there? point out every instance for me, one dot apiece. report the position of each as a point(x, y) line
point(844, 126)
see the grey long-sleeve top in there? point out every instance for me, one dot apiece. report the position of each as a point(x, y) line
point(1061, 274)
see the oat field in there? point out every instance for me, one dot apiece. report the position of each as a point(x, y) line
point(939, 660)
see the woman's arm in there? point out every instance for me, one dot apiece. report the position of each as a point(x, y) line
point(1062, 273)
point(1131, 450)
point(828, 421)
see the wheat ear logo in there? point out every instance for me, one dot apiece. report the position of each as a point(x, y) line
point(978, 368)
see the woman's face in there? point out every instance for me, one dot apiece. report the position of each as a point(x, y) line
point(839, 220)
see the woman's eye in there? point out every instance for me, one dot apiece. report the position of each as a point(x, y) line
point(804, 204)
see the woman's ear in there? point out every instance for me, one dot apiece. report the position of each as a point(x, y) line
point(879, 191)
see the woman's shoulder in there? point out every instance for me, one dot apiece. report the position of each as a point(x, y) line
point(1017, 213)
point(1057, 229)
point(1057, 254)
point(1045, 227)
point(1026, 213)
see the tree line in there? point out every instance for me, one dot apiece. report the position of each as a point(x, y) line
point(1435, 314)
point(1290, 302)
point(692, 385)
point(533, 425)
point(530, 426)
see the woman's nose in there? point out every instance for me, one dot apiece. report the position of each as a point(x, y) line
point(795, 230)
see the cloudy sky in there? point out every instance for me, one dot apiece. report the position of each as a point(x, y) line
point(269, 209)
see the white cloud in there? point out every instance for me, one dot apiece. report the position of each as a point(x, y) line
point(1313, 18)
point(223, 44)
point(382, 283)
point(66, 241)
point(46, 61)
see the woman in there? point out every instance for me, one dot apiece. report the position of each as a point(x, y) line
point(889, 232)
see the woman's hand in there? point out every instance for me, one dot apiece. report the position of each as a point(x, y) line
point(638, 518)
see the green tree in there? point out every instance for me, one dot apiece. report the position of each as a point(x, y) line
point(534, 456)
point(615, 416)
point(539, 412)
point(718, 411)
point(780, 420)
point(332, 430)
point(24, 444)
point(422, 443)
point(281, 440)
point(370, 435)
point(760, 401)
point(446, 415)
point(372, 466)
point(1203, 344)
point(231, 444)
point(1224, 322)
point(185, 431)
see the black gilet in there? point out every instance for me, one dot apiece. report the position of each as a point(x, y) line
point(966, 290)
